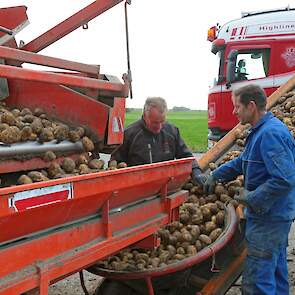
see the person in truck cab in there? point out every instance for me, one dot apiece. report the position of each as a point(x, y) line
point(151, 139)
point(241, 72)
point(268, 166)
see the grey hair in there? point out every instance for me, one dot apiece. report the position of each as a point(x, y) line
point(155, 102)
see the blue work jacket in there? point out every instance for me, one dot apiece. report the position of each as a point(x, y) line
point(268, 166)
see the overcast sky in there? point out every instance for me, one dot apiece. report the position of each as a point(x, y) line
point(170, 56)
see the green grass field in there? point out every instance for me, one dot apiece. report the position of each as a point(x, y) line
point(192, 125)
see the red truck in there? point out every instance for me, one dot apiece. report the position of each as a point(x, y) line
point(257, 48)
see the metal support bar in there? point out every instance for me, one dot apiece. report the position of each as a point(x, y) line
point(5, 30)
point(33, 58)
point(64, 79)
point(106, 219)
point(127, 48)
point(70, 24)
point(37, 148)
point(43, 276)
point(149, 285)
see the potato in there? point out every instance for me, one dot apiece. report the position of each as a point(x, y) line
point(24, 179)
point(197, 218)
point(219, 189)
point(82, 159)
point(212, 166)
point(215, 234)
point(191, 250)
point(74, 136)
point(205, 239)
point(184, 218)
point(37, 176)
point(225, 198)
point(195, 232)
point(193, 199)
point(3, 126)
point(96, 164)
point(198, 245)
point(15, 112)
point(87, 144)
point(8, 118)
point(80, 130)
point(220, 216)
point(37, 126)
point(38, 112)
point(54, 169)
point(179, 256)
point(206, 213)
point(61, 132)
point(112, 163)
point(25, 111)
point(180, 250)
point(122, 165)
point(164, 257)
point(25, 133)
point(46, 123)
point(186, 237)
point(171, 249)
point(155, 261)
point(46, 135)
point(49, 156)
point(83, 169)
point(68, 165)
point(10, 135)
point(142, 256)
point(209, 227)
point(212, 207)
point(29, 118)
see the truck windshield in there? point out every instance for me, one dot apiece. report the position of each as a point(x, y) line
point(252, 64)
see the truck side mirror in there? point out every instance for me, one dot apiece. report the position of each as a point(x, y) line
point(231, 66)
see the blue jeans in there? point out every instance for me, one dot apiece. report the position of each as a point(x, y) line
point(265, 270)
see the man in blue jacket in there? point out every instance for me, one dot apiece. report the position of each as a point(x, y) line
point(268, 166)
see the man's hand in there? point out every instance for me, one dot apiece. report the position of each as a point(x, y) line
point(209, 185)
point(198, 177)
point(242, 197)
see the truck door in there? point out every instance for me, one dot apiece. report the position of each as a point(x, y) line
point(284, 52)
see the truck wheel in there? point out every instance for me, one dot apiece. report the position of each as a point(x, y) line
point(113, 287)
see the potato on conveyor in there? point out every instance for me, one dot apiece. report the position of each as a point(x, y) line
point(54, 169)
point(8, 118)
point(49, 156)
point(10, 135)
point(61, 132)
point(46, 135)
point(83, 169)
point(37, 176)
point(96, 164)
point(24, 179)
point(68, 165)
point(26, 133)
point(87, 144)
point(122, 165)
point(37, 126)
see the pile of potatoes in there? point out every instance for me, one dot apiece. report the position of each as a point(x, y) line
point(284, 110)
point(83, 165)
point(201, 222)
point(21, 125)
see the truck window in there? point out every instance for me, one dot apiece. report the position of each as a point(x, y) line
point(252, 64)
point(220, 64)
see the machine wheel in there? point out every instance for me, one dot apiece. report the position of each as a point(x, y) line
point(113, 287)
